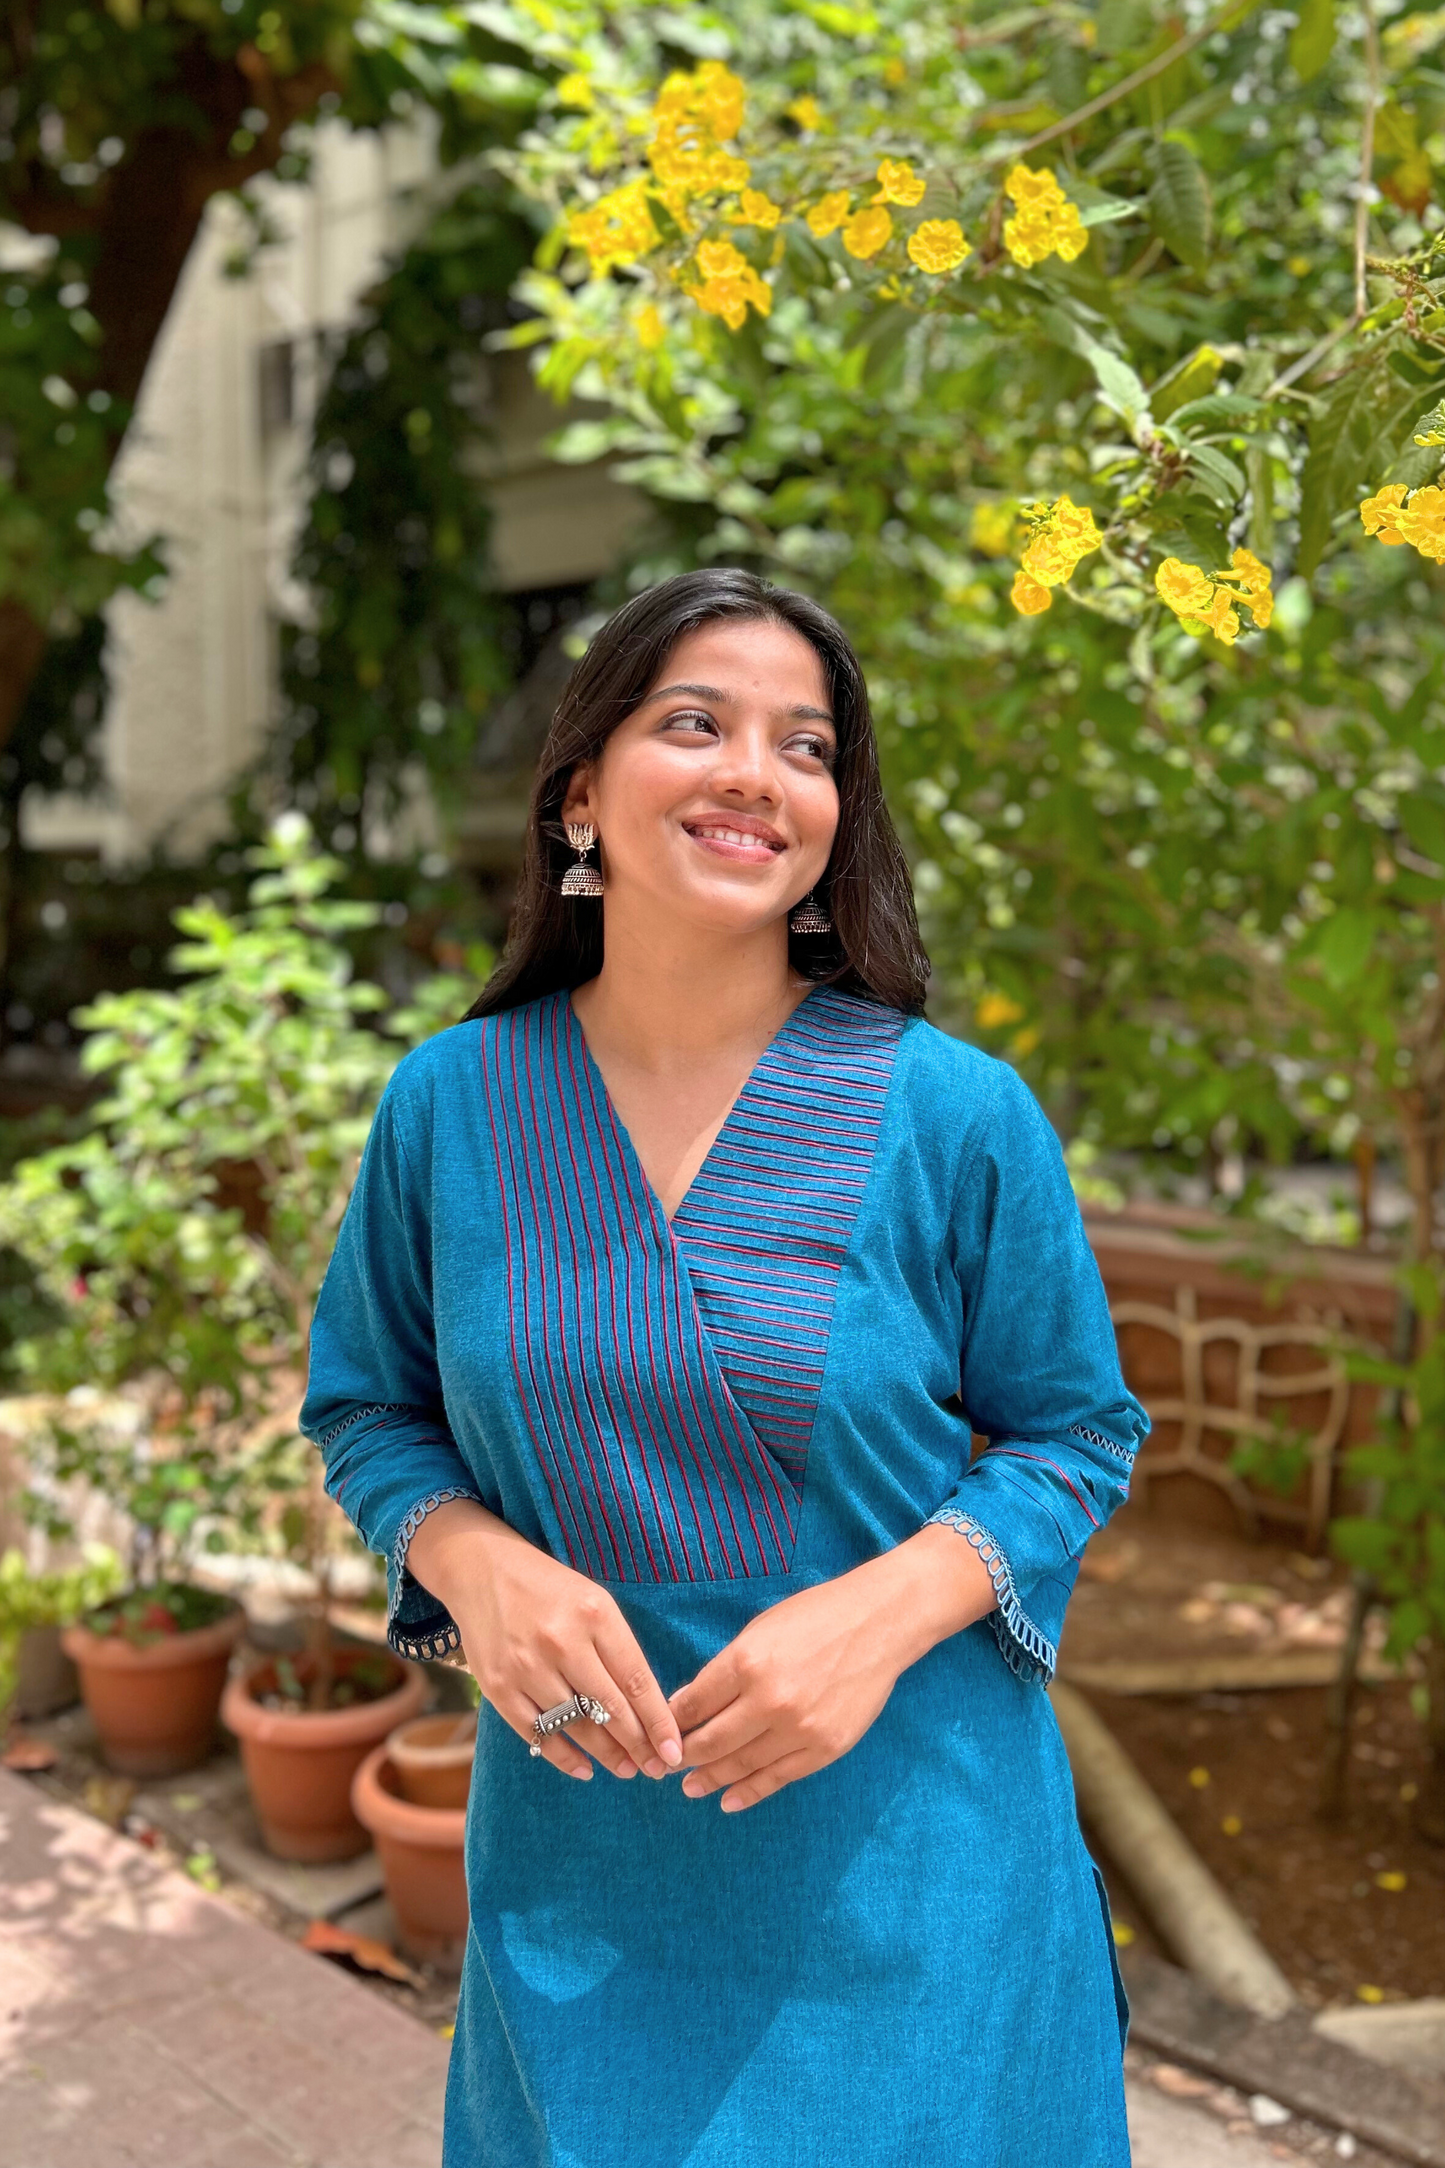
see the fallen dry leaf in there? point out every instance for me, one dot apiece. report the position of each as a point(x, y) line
point(28, 1756)
point(108, 1798)
point(1179, 2084)
point(363, 1951)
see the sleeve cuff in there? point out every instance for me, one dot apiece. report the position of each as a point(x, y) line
point(416, 1624)
point(1024, 1646)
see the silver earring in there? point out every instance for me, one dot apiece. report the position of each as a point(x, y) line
point(809, 916)
point(581, 879)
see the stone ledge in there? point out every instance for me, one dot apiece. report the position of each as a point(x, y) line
point(1401, 2113)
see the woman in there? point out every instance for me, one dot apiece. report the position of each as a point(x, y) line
point(673, 1282)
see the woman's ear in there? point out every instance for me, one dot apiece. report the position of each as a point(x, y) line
point(577, 801)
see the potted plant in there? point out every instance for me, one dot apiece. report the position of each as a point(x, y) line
point(35, 1604)
point(182, 1239)
point(411, 1794)
point(151, 1646)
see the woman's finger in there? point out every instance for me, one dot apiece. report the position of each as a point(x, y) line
point(738, 1725)
point(618, 1649)
point(521, 1713)
point(728, 1769)
point(764, 1782)
point(710, 1692)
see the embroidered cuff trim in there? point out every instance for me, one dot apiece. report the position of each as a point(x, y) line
point(329, 1437)
point(1025, 1649)
point(431, 1642)
point(1125, 1453)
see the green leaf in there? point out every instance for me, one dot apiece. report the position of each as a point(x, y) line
point(1313, 38)
point(1349, 442)
point(1343, 946)
point(1123, 24)
point(1192, 381)
point(1179, 205)
point(1424, 820)
point(1223, 479)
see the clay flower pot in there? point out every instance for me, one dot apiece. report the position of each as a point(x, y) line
point(420, 1849)
point(154, 1706)
point(432, 1757)
point(300, 1762)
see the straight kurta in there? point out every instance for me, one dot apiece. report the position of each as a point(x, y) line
point(905, 1958)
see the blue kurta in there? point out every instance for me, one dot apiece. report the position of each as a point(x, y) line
point(905, 1958)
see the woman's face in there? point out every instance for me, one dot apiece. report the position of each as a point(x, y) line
point(715, 800)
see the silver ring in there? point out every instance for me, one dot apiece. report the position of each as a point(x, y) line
point(570, 1711)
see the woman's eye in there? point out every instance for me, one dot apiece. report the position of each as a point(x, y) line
point(691, 719)
point(816, 748)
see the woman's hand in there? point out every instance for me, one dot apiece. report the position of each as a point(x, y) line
point(534, 1632)
point(804, 1680)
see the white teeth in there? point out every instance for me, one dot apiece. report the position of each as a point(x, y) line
point(732, 835)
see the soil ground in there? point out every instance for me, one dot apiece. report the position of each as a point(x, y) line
point(1352, 1911)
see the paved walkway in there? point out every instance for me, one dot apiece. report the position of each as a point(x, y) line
point(144, 2024)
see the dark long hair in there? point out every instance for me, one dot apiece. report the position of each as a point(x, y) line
point(874, 949)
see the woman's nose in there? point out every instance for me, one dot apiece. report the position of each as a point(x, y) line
point(745, 764)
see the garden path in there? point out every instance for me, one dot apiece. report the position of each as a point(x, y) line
point(144, 2022)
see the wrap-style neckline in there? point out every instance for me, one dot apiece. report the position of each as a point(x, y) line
point(718, 1149)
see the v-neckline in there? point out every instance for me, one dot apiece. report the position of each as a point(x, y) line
point(624, 1135)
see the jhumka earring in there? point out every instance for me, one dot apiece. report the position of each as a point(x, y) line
point(581, 879)
point(809, 916)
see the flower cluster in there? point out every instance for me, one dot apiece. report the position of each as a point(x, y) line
point(1045, 223)
point(694, 116)
point(1063, 532)
point(617, 229)
point(1211, 599)
point(867, 231)
point(756, 209)
point(1398, 514)
point(728, 283)
point(828, 213)
point(938, 245)
point(898, 183)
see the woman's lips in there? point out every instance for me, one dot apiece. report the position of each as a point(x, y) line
point(741, 845)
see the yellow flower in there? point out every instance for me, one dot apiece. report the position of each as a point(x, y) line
point(694, 115)
point(617, 229)
point(1370, 1994)
point(1214, 599)
point(895, 71)
point(990, 529)
point(938, 245)
point(1046, 223)
point(651, 329)
point(1378, 512)
point(729, 285)
point(1422, 523)
point(828, 213)
point(756, 209)
point(1392, 1880)
point(996, 1010)
point(1023, 1042)
point(575, 90)
point(1029, 596)
point(805, 112)
point(866, 232)
point(1062, 533)
point(898, 183)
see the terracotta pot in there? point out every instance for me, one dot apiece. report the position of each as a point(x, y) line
point(154, 1707)
point(300, 1762)
point(420, 1849)
point(432, 1757)
point(47, 1678)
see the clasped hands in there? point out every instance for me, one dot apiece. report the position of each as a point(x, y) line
point(794, 1691)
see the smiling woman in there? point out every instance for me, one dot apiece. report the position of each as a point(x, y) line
point(667, 1280)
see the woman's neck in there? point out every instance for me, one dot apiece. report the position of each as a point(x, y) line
point(669, 998)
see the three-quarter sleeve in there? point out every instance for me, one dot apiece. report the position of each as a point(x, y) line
point(374, 1404)
point(1040, 1378)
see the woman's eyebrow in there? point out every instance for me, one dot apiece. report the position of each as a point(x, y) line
point(800, 711)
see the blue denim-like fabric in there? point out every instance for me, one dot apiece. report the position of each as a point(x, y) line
point(903, 1959)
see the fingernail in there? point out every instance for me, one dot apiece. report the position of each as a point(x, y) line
point(627, 1769)
point(731, 1806)
point(692, 1788)
point(583, 1776)
point(654, 1767)
point(671, 1752)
